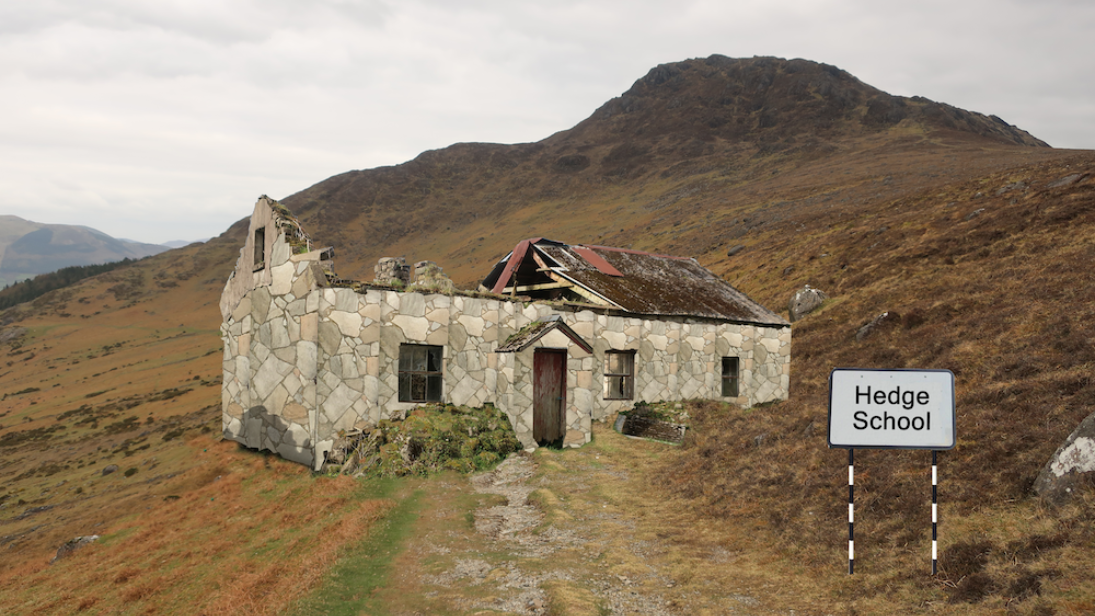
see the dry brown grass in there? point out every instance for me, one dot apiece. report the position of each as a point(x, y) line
point(195, 527)
point(249, 539)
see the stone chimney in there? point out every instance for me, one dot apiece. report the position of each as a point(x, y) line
point(428, 276)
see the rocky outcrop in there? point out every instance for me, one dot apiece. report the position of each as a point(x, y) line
point(878, 323)
point(12, 335)
point(72, 545)
point(1068, 180)
point(1072, 466)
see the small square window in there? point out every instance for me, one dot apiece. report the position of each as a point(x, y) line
point(420, 373)
point(619, 375)
point(730, 377)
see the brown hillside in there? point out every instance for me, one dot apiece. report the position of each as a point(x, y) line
point(718, 135)
point(954, 222)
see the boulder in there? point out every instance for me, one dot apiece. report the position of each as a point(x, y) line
point(805, 301)
point(72, 545)
point(1070, 467)
point(735, 250)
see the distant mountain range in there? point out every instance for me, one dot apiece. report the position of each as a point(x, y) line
point(30, 248)
point(181, 243)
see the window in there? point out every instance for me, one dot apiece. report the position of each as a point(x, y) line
point(260, 248)
point(730, 377)
point(419, 373)
point(619, 375)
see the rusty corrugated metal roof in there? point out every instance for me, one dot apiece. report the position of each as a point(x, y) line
point(647, 284)
point(596, 260)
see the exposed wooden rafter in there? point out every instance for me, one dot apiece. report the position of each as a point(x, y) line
point(562, 280)
point(540, 287)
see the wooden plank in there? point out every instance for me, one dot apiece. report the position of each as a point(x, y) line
point(539, 287)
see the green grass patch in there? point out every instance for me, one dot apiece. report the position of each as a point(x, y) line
point(351, 587)
point(113, 538)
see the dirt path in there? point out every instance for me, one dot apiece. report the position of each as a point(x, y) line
point(520, 523)
point(567, 532)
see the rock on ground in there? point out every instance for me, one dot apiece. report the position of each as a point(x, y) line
point(71, 546)
point(1070, 467)
point(805, 301)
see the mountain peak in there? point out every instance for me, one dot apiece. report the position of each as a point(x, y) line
point(778, 102)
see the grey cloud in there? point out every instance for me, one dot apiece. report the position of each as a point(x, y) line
point(146, 108)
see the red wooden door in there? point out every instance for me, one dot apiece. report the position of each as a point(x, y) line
point(548, 395)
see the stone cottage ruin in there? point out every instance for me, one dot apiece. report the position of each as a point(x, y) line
point(558, 336)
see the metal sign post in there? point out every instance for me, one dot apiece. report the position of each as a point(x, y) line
point(935, 517)
point(851, 511)
point(891, 409)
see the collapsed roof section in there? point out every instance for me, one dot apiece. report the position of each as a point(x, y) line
point(630, 280)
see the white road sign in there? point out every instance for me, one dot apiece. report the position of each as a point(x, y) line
point(900, 409)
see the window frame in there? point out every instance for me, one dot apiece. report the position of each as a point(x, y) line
point(627, 377)
point(259, 241)
point(727, 379)
point(431, 381)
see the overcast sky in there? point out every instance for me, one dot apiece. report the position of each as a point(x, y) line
point(159, 120)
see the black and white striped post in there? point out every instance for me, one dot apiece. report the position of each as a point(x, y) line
point(851, 511)
point(935, 516)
